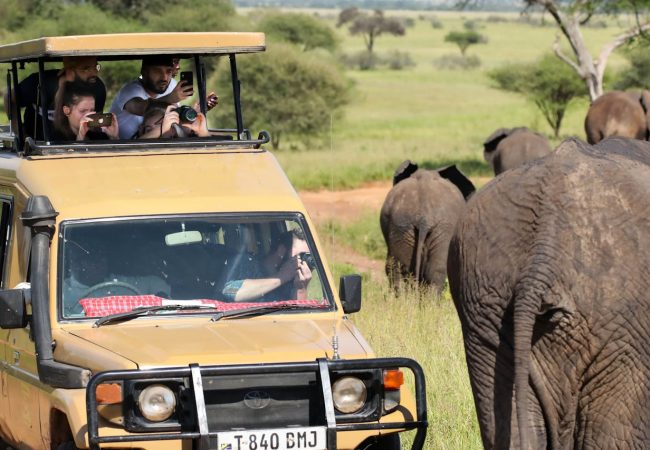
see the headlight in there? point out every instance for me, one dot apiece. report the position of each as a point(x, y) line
point(349, 394)
point(157, 402)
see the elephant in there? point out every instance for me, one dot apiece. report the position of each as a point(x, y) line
point(417, 218)
point(508, 148)
point(549, 270)
point(618, 113)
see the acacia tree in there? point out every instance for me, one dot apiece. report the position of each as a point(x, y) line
point(549, 83)
point(370, 26)
point(570, 15)
point(464, 39)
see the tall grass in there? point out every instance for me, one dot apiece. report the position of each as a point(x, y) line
point(425, 327)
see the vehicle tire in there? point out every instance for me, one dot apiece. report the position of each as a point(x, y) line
point(385, 442)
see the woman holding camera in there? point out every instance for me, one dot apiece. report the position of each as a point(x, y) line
point(171, 121)
point(75, 118)
point(282, 274)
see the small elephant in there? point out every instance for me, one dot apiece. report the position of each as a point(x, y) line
point(549, 269)
point(508, 148)
point(417, 220)
point(618, 113)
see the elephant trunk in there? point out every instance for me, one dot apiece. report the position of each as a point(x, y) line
point(524, 320)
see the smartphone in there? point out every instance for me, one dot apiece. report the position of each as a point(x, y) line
point(188, 77)
point(98, 120)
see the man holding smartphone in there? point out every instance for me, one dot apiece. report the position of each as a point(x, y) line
point(156, 82)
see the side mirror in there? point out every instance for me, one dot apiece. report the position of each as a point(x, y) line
point(13, 308)
point(350, 293)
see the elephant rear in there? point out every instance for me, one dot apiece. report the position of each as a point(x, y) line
point(616, 113)
point(417, 220)
point(549, 269)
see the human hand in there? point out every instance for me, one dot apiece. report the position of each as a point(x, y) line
point(171, 117)
point(211, 101)
point(113, 130)
point(181, 91)
point(303, 275)
point(199, 126)
point(83, 126)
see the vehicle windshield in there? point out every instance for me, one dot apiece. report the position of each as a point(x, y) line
point(230, 263)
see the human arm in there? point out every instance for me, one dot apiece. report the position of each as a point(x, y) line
point(253, 288)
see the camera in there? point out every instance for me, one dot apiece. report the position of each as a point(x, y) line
point(307, 258)
point(186, 113)
point(98, 120)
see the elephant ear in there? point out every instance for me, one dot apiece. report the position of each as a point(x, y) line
point(405, 170)
point(457, 177)
point(493, 140)
point(644, 99)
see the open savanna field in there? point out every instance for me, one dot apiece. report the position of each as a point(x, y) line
point(433, 117)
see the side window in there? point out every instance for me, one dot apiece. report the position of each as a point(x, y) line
point(5, 234)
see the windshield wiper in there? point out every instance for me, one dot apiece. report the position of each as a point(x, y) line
point(145, 311)
point(260, 310)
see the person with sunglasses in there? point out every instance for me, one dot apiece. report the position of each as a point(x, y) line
point(83, 69)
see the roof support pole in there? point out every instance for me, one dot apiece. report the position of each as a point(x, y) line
point(236, 96)
point(42, 99)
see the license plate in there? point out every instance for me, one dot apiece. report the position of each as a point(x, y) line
point(303, 438)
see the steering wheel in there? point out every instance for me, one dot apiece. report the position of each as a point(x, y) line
point(113, 283)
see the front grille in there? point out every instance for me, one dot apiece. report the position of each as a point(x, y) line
point(263, 401)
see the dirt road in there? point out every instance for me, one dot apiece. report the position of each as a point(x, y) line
point(346, 207)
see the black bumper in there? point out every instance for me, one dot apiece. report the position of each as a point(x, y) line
point(195, 374)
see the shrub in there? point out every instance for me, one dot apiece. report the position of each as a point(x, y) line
point(397, 60)
point(436, 23)
point(496, 19)
point(457, 62)
point(363, 60)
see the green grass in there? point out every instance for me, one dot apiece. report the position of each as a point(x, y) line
point(363, 235)
point(431, 116)
point(424, 327)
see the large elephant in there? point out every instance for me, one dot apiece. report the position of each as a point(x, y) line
point(508, 148)
point(618, 113)
point(417, 219)
point(549, 269)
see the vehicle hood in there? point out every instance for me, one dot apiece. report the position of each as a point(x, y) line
point(162, 343)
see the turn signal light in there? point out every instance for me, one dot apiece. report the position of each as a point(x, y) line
point(393, 379)
point(109, 393)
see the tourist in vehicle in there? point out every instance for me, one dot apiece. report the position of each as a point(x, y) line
point(72, 118)
point(75, 68)
point(159, 121)
point(156, 82)
point(280, 275)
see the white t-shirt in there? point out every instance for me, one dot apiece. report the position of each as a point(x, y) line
point(128, 122)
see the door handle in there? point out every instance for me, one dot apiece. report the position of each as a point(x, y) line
point(16, 357)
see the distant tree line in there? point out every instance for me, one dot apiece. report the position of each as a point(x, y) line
point(410, 5)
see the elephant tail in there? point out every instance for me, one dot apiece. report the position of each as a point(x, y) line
point(422, 234)
point(524, 320)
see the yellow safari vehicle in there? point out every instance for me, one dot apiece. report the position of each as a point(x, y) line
point(171, 293)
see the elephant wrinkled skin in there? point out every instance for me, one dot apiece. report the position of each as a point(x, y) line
point(618, 113)
point(508, 148)
point(549, 269)
point(417, 219)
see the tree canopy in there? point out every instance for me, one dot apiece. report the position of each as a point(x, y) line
point(285, 91)
point(303, 30)
point(465, 38)
point(549, 83)
point(570, 15)
point(370, 26)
